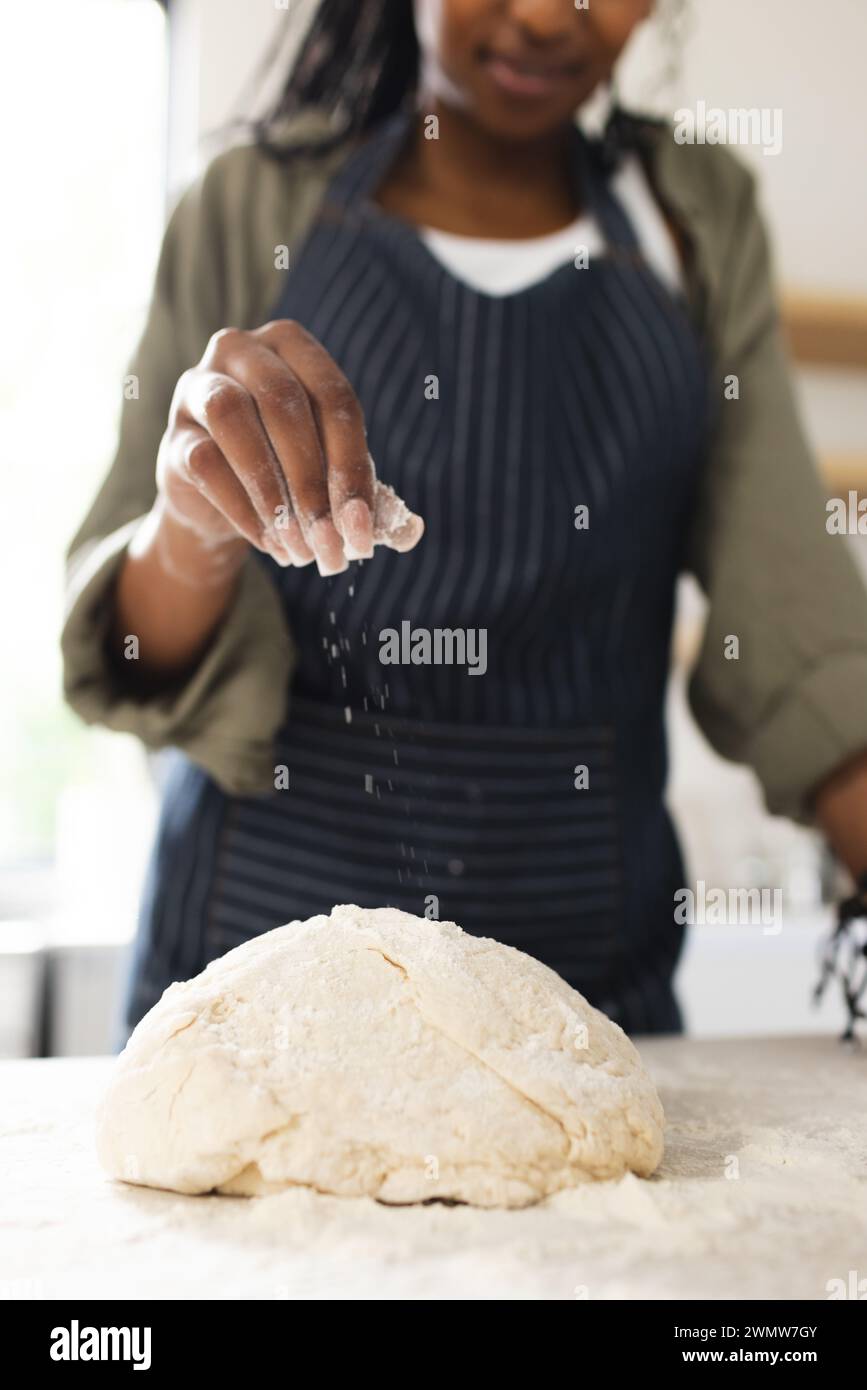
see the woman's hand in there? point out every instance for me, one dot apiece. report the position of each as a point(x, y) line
point(265, 445)
point(266, 442)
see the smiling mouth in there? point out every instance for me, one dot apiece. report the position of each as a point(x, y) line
point(528, 77)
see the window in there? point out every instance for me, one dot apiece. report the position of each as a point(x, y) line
point(83, 85)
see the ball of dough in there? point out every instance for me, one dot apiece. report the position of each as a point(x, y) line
point(373, 1053)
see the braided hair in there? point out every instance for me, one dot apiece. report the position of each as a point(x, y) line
point(356, 65)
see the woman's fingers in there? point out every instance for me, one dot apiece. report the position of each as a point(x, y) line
point(217, 403)
point(339, 423)
point(201, 463)
point(286, 415)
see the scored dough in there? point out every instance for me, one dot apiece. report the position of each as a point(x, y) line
point(373, 1053)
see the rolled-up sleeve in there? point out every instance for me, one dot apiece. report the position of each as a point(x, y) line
point(790, 698)
point(225, 713)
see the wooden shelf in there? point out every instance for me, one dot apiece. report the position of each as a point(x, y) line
point(844, 471)
point(826, 331)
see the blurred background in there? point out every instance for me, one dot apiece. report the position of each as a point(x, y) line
point(111, 106)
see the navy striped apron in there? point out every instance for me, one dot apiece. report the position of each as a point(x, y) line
point(422, 786)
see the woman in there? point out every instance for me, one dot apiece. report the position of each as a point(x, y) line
point(421, 262)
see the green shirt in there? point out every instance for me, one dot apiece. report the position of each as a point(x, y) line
point(793, 705)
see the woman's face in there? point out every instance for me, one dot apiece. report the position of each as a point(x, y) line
point(521, 67)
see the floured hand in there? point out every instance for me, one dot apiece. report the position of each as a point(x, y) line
point(266, 442)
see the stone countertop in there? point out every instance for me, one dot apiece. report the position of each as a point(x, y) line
point(762, 1194)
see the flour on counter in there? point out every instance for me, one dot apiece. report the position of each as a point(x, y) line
point(793, 1111)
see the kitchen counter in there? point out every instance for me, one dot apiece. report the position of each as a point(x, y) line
point(762, 1194)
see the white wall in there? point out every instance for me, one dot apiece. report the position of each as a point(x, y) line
point(808, 60)
point(216, 48)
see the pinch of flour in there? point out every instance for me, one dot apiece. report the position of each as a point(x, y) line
point(390, 514)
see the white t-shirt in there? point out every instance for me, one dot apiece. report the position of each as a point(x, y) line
point(505, 267)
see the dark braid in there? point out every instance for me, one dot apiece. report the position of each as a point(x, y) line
point(356, 65)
